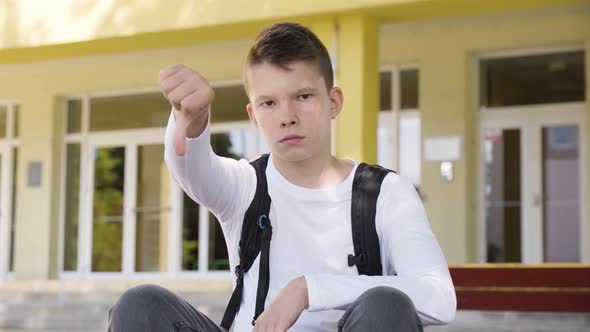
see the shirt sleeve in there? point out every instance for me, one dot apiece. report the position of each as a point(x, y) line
point(408, 249)
point(223, 185)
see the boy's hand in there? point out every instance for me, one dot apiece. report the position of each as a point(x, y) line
point(191, 96)
point(285, 309)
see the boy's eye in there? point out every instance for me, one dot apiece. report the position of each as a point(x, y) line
point(305, 96)
point(268, 103)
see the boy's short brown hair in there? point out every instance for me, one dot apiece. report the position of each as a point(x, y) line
point(281, 44)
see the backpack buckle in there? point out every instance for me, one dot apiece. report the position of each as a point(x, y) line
point(356, 260)
point(239, 271)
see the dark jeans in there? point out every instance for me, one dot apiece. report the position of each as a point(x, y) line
point(153, 308)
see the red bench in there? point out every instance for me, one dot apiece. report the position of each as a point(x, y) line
point(520, 287)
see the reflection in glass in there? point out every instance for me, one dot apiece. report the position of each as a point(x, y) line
point(13, 214)
point(533, 79)
point(107, 231)
point(151, 230)
point(140, 110)
point(72, 201)
point(561, 190)
point(409, 89)
point(229, 104)
point(3, 120)
point(190, 234)
point(385, 91)
point(262, 147)
point(16, 120)
point(74, 123)
point(502, 195)
point(218, 257)
point(234, 144)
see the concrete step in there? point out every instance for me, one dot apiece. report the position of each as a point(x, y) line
point(69, 312)
point(77, 312)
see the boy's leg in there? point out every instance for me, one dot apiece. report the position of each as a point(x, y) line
point(153, 308)
point(381, 309)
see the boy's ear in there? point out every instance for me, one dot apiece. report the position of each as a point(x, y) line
point(336, 101)
point(250, 111)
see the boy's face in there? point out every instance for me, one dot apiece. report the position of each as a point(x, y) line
point(293, 109)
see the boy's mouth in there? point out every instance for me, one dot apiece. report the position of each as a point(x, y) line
point(292, 139)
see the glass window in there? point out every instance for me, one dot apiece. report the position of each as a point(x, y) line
point(410, 162)
point(503, 195)
point(218, 257)
point(72, 201)
point(229, 104)
point(74, 114)
point(532, 79)
point(13, 214)
point(3, 120)
point(409, 89)
point(16, 120)
point(233, 144)
point(262, 147)
point(385, 89)
point(107, 231)
point(151, 230)
point(190, 234)
point(129, 112)
point(561, 192)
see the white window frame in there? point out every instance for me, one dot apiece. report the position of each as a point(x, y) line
point(131, 139)
point(7, 146)
point(528, 119)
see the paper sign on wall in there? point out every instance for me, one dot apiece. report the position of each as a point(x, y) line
point(442, 148)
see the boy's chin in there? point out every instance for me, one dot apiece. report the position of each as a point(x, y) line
point(292, 156)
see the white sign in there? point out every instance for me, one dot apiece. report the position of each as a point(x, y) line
point(443, 148)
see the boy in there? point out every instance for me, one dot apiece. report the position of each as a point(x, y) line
point(289, 82)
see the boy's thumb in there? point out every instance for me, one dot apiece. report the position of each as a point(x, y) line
point(179, 140)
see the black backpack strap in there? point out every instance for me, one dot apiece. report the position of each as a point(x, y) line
point(264, 270)
point(255, 239)
point(365, 191)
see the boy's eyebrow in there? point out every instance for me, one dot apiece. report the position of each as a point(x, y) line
point(305, 90)
point(298, 92)
point(260, 98)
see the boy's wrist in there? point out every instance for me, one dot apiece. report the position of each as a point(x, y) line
point(302, 286)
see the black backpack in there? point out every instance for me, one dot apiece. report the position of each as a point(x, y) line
point(257, 232)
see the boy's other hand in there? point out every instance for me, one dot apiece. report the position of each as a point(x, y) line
point(285, 308)
point(191, 96)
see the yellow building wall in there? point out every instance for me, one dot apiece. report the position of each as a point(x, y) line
point(32, 23)
point(446, 52)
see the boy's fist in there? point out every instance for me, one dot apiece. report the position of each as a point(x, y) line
point(191, 96)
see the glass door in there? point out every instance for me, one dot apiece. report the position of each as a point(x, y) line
point(560, 194)
point(533, 178)
point(127, 222)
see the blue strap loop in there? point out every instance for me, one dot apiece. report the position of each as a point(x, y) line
point(260, 219)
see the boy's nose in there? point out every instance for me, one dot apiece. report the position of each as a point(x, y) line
point(288, 123)
point(289, 117)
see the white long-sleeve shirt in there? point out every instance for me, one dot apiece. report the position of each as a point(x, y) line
point(312, 236)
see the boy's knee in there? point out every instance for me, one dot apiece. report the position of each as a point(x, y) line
point(144, 294)
point(381, 309)
point(387, 300)
point(138, 299)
